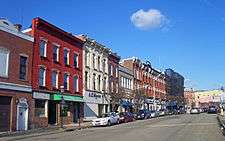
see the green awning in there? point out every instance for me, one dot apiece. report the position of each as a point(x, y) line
point(67, 97)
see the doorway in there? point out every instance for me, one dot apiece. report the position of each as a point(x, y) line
point(52, 113)
point(22, 114)
point(5, 113)
point(76, 113)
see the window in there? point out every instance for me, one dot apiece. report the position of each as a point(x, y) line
point(75, 83)
point(112, 87)
point(42, 75)
point(93, 59)
point(66, 81)
point(86, 80)
point(104, 84)
point(99, 82)
point(116, 72)
point(55, 53)
point(23, 67)
point(43, 48)
point(55, 79)
point(66, 56)
point(103, 65)
point(117, 87)
point(94, 84)
point(111, 69)
point(4, 59)
point(75, 60)
point(98, 62)
point(40, 108)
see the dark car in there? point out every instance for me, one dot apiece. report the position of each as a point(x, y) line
point(212, 110)
point(126, 117)
point(143, 114)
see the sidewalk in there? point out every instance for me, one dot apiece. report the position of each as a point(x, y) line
point(42, 131)
point(221, 120)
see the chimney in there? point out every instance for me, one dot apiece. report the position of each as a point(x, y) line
point(18, 26)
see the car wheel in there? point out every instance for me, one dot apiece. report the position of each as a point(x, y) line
point(109, 123)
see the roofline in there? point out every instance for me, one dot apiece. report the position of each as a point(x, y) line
point(70, 35)
point(18, 34)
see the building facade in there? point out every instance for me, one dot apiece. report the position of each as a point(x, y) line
point(113, 67)
point(189, 99)
point(57, 75)
point(149, 84)
point(174, 89)
point(126, 78)
point(96, 78)
point(16, 53)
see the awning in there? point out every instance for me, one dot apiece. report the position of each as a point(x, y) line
point(58, 97)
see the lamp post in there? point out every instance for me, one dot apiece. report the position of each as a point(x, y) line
point(62, 104)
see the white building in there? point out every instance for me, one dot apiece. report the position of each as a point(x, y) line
point(95, 76)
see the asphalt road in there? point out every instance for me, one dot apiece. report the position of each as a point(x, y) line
point(201, 127)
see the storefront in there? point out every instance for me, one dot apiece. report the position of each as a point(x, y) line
point(95, 104)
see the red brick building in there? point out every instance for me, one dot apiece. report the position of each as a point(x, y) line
point(57, 74)
point(113, 60)
point(149, 84)
point(16, 53)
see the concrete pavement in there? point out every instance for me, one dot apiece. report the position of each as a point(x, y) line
point(201, 127)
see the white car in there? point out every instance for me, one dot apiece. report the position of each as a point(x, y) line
point(106, 119)
point(195, 111)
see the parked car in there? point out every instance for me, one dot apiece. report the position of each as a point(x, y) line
point(162, 112)
point(195, 111)
point(154, 113)
point(212, 110)
point(106, 119)
point(126, 117)
point(143, 114)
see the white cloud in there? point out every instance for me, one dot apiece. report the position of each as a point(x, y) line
point(150, 19)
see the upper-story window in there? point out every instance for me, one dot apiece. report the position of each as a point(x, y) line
point(94, 83)
point(86, 80)
point(99, 82)
point(43, 48)
point(66, 81)
point(104, 84)
point(111, 69)
point(55, 53)
point(55, 79)
point(99, 62)
point(116, 72)
point(23, 67)
point(75, 84)
point(4, 59)
point(42, 76)
point(75, 60)
point(104, 65)
point(66, 56)
point(93, 59)
point(86, 59)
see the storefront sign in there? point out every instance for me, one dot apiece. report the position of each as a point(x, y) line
point(67, 97)
point(38, 95)
point(98, 98)
point(95, 95)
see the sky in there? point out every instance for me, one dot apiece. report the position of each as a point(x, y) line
point(187, 36)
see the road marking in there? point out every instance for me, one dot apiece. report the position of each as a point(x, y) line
point(183, 124)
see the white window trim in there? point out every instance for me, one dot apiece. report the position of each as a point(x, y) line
point(7, 52)
point(77, 89)
point(68, 55)
point(44, 77)
point(77, 59)
point(45, 50)
point(58, 46)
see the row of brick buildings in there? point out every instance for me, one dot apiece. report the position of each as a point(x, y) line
point(47, 73)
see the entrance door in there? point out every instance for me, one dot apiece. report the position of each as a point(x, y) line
point(22, 117)
point(76, 114)
point(52, 112)
point(5, 113)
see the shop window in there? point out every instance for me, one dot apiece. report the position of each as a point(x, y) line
point(40, 108)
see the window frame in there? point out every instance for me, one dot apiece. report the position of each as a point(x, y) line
point(7, 52)
point(77, 82)
point(26, 66)
point(68, 56)
point(45, 47)
point(44, 76)
point(77, 59)
point(55, 45)
point(67, 81)
point(56, 79)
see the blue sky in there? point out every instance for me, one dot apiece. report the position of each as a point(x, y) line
point(187, 36)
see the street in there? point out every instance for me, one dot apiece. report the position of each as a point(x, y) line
point(203, 127)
